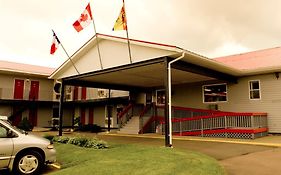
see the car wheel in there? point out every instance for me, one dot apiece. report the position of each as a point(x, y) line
point(28, 163)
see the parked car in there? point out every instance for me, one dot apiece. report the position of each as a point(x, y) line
point(23, 153)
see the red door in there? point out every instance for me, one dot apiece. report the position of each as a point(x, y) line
point(83, 93)
point(18, 89)
point(33, 116)
point(91, 115)
point(34, 90)
point(83, 116)
point(17, 115)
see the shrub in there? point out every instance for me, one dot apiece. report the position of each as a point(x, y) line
point(97, 144)
point(25, 125)
point(61, 139)
point(82, 142)
point(79, 141)
point(91, 128)
point(49, 137)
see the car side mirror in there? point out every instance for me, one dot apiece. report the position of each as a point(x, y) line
point(11, 134)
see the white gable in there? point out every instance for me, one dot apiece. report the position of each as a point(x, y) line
point(114, 52)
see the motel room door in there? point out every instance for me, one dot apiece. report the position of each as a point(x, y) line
point(18, 94)
point(18, 89)
point(33, 95)
point(34, 90)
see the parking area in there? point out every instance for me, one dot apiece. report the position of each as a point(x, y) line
point(259, 156)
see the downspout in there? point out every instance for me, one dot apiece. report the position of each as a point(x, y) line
point(170, 96)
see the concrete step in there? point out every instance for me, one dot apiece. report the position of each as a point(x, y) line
point(132, 126)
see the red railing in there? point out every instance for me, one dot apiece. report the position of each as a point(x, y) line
point(188, 121)
point(144, 118)
point(122, 113)
point(125, 115)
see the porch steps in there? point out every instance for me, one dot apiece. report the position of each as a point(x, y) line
point(132, 127)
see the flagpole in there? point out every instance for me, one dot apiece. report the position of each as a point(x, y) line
point(66, 53)
point(98, 46)
point(129, 48)
point(70, 59)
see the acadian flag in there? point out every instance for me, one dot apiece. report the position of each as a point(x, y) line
point(121, 22)
point(84, 20)
point(55, 43)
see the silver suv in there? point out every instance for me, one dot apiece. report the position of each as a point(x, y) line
point(23, 153)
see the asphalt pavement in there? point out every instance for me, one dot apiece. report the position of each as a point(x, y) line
point(260, 156)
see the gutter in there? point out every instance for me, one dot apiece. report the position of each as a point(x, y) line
point(170, 94)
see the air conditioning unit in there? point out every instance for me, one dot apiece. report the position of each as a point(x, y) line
point(68, 97)
point(102, 93)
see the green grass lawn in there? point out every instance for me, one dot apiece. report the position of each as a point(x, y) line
point(126, 159)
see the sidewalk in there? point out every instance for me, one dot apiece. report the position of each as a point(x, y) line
point(270, 140)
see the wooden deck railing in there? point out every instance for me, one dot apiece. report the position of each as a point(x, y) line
point(189, 121)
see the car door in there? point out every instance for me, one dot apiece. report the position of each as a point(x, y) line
point(6, 147)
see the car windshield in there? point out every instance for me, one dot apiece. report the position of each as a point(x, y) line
point(15, 128)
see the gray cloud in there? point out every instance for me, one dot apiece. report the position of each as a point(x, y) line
point(202, 26)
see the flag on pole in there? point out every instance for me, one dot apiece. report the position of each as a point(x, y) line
point(55, 43)
point(84, 20)
point(121, 22)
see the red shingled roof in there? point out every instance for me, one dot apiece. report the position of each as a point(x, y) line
point(253, 60)
point(25, 68)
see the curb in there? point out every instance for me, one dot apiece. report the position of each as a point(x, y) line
point(199, 139)
point(55, 166)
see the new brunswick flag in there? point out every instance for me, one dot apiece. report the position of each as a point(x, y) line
point(121, 22)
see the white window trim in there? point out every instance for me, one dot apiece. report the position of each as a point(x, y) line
point(203, 99)
point(249, 88)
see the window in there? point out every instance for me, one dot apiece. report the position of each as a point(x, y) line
point(215, 93)
point(254, 89)
point(3, 132)
point(160, 97)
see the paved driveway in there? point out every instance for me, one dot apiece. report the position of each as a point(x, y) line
point(238, 159)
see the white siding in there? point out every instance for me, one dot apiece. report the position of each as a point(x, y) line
point(113, 53)
point(190, 95)
point(44, 117)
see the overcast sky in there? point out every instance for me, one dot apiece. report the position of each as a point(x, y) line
point(208, 27)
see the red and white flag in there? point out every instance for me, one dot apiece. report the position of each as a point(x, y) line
point(84, 20)
point(55, 44)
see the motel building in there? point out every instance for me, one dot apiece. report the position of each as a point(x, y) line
point(234, 96)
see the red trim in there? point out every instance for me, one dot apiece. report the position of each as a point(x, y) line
point(213, 111)
point(140, 41)
point(191, 109)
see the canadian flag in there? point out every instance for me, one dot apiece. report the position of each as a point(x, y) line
point(55, 43)
point(84, 20)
